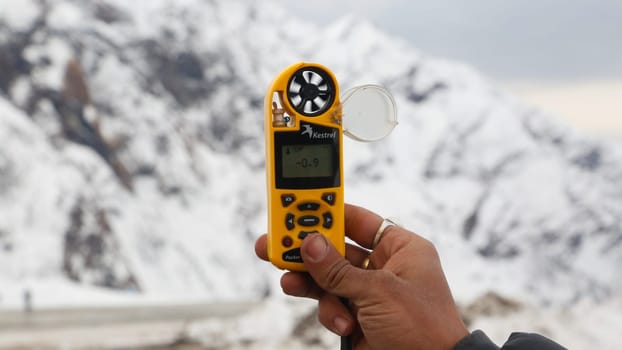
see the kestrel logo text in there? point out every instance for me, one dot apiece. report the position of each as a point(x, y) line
point(318, 135)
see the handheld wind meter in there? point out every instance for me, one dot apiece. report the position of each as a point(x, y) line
point(304, 165)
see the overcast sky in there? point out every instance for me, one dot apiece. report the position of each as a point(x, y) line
point(507, 39)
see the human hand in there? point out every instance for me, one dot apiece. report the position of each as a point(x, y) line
point(401, 301)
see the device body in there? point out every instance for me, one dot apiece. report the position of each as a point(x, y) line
point(304, 162)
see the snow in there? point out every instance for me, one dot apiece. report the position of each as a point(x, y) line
point(253, 326)
point(66, 15)
point(51, 293)
point(58, 52)
point(585, 326)
point(19, 17)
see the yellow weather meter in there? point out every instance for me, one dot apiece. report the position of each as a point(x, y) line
point(304, 162)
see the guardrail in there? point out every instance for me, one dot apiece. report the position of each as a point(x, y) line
point(91, 316)
point(111, 328)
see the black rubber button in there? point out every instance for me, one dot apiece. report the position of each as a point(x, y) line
point(287, 241)
point(308, 220)
point(292, 255)
point(329, 198)
point(287, 199)
point(304, 234)
point(308, 206)
point(289, 221)
point(328, 220)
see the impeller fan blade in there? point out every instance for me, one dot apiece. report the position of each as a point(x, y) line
point(319, 102)
point(299, 78)
point(296, 100)
point(316, 79)
point(295, 87)
point(308, 107)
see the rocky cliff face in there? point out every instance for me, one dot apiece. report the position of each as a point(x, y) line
point(132, 154)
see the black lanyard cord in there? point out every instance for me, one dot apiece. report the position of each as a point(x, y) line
point(346, 340)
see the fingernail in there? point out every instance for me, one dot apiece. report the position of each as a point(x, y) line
point(317, 247)
point(341, 325)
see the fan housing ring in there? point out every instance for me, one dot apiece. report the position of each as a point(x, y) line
point(311, 91)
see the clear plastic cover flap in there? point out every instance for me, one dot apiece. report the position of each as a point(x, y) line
point(369, 113)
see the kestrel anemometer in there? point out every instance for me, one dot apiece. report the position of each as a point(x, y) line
point(303, 162)
point(304, 128)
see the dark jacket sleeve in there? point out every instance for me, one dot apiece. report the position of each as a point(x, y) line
point(517, 341)
point(520, 341)
point(476, 341)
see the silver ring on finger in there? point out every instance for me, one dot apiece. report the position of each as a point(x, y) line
point(383, 227)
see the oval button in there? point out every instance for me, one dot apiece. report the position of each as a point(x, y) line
point(308, 220)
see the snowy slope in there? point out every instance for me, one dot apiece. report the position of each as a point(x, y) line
point(132, 157)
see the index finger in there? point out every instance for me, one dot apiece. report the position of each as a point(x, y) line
point(361, 225)
point(261, 247)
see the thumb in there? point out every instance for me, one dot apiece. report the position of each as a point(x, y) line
point(331, 271)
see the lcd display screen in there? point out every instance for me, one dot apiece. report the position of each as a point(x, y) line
point(300, 161)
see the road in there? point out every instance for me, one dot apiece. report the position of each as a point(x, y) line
point(136, 327)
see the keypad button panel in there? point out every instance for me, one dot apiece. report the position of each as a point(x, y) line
point(306, 216)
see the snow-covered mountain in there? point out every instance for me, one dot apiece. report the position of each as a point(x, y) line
point(132, 159)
